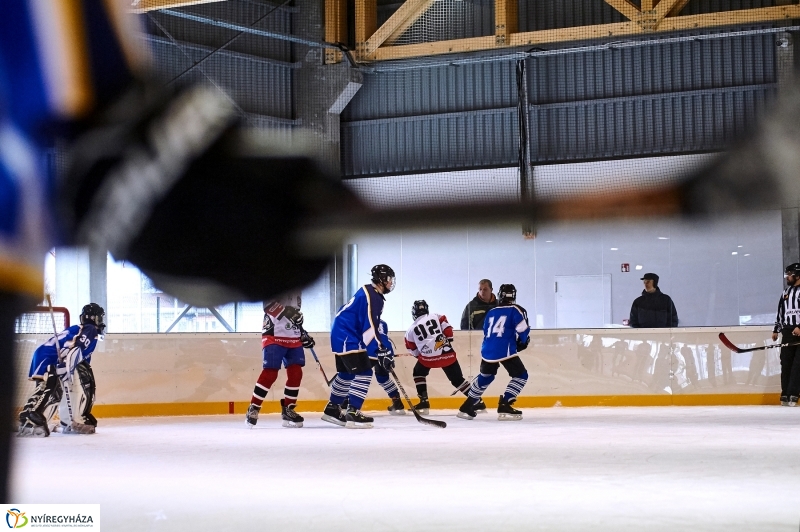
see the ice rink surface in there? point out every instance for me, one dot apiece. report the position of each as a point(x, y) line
point(599, 469)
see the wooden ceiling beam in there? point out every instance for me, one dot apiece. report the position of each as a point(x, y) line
point(628, 10)
point(404, 17)
point(143, 6)
point(366, 24)
point(335, 28)
point(677, 8)
point(583, 33)
point(505, 19)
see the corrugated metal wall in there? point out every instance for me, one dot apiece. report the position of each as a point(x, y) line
point(257, 72)
point(676, 98)
point(665, 99)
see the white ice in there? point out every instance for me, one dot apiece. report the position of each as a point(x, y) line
point(599, 469)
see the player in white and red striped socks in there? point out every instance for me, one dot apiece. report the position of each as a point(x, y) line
point(282, 341)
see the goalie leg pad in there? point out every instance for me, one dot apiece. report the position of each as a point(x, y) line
point(85, 393)
point(39, 410)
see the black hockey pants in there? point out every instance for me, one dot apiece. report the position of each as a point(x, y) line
point(790, 364)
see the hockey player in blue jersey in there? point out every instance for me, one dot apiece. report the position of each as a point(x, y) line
point(505, 333)
point(53, 368)
point(355, 326)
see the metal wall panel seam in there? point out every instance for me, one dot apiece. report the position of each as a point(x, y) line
point(656, 96)
point(427, 117)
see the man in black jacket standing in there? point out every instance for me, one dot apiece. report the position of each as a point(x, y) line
point(653, 308)
point(475, 311)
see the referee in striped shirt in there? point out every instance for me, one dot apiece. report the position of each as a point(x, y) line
point(787, 323)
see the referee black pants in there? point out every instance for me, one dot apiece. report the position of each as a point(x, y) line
point(790, 364)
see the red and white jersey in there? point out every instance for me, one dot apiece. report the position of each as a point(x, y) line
point(278, 328)
point(428, 339)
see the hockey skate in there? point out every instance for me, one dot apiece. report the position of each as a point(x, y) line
point(290, 418)
point(506, 412)
point(397, 408)
point(251, 418)
point(793, 400)
point(357, 420)
point(784, 400)
point(76, 428)
point(424, 406)
point(333, 414)
point(467, 410)
point(480, 407)
point(28, 428)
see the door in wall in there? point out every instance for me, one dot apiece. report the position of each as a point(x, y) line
point(583, 301)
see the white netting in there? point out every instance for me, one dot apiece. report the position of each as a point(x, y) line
point(444, 20)
point(32, 329)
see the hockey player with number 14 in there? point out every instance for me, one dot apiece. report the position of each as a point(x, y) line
point(55, 368)
point(505, 333)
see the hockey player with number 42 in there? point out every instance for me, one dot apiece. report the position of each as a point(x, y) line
point(505, 333)
point(282, 343)
point(55, 368)
point(430, 339)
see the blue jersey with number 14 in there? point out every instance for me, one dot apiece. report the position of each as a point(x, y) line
point(501, 328)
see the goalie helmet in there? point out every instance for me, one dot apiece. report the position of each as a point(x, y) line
point(507, 294)
point(383, 275)
point(93, 313)
point(419, 308)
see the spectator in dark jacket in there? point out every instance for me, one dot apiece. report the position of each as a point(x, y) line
point(653, 308)
point(475, 311)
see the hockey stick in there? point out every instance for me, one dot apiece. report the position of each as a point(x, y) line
point(730, 345)
point(319, 365)
point(316, 359)
point(64, 384)
point(423, 420)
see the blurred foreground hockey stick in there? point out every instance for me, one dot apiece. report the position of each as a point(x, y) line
point(175, 184)
point(423, 420)
point(730, 345)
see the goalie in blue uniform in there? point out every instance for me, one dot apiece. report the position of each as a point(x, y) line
point(357, 325)
point(505, 333)
point(56, 365)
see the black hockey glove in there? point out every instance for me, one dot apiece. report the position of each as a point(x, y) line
point(385, 358)
point(294, 315)
point(308, 342)
point(522, 346)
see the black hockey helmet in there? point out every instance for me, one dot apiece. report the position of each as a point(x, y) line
point(93, 313)
point(793, 269)
point(419, 308)
point(383, 275)
point(507, 294)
